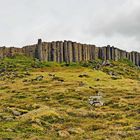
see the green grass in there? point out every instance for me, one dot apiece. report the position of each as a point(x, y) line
point(56, 109)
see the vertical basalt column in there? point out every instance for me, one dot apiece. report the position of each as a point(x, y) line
point(93, 53)
point(119, 54)
point(79, 52)
point(69, 49)
point(33, 50)
point(61, 51)
point(137, 58)
point(53, 51)
point(49, 52)
point(123, 54)
point(116, 54)
point(127, 55)
point(87, 56)
point(133, 57)
point(75, 52)
point(45, 51)
point(30, 52)
point(108, 53)
point(104, 53)
point(58, 51)
point(100, 53)
point(96, 53)
point(39, 49)
point(113, 53)
point(83, 53)
point(88, 52)
point(65, 52)
point(130, 56)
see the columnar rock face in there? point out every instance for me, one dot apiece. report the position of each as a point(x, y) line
point(69, 51)
point(108, 52)
point(97, 50)
point(75, 52)
point(40, 50)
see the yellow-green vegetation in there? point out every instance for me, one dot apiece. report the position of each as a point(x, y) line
point(50, 101)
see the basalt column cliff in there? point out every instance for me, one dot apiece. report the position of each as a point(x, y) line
point(68, 51)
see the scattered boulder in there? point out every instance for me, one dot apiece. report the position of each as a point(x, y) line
point(16, 113)
point(112, 73)
point(39, 78)
point(27, 73)
point(115, 77)
point(98, 67)
point(75, 131)
point(95, 100)
point(63, 133)
point(106, 63)
point(137, 128)
point(9, 130)
point(46, 98)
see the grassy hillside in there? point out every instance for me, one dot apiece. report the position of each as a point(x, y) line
point(50, 101)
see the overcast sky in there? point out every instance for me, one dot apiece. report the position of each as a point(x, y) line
point(99, 22)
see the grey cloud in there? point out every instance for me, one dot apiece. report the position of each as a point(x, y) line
point(127, 25)
point(100, 22)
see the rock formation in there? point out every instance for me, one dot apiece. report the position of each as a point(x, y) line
point(68, 51)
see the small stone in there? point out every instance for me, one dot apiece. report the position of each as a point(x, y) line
point(46, 98)
point(39, 78)
point(115, 77)
point(63, 133)
point(76, 131)
point(9, 130)
point(137, 128)
point(16, 113)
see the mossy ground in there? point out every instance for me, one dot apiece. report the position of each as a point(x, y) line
point(57, 107)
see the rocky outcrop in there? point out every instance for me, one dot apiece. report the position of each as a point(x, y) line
point(68, 51)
